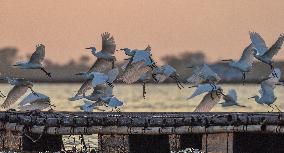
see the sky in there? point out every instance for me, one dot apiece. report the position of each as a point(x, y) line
point(219, 28)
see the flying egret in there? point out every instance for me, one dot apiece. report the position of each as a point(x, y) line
point(20, 88)
point(105, 57)
point(94, 79)
point(244, 64)
point(89, 106)
point(203, 75)
point(203, 88)
point(33, 102)
point(167, 71)
point(267, 95)
point(262, 52)
point(140, 55)
point(231, 99)
point(209, 101)
point(35, 61)
point(101, 78)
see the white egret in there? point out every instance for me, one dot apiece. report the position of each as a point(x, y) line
point(244, 64)
point(267, 95)
point(167, 71)
point(89, 106)
point(203, 88)
point(101, 78)
point(20, 88)
point(231, 99)
point(106, 55)
point(35, 61)
point(35, 102)
point(209, 101)
point(203, 74)
point(262, 52)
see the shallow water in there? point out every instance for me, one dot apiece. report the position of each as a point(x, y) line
point(159, 98)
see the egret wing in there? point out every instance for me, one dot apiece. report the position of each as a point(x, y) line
point(258, 43)
point(35, 106)
point(134, 72)
point(247, 56)
point(233, 94)
point(32, 98)
point(108, 43)
point(267, 91)
point(142, 56)
point(112, 74)
point(274, 49)
point(87, 85)
point(168, 70)
point(14, 95)
point(99, 78)
point(101, 65)
point(38, 55)
point(202, 88)
point(208, 102)
point(114, 102)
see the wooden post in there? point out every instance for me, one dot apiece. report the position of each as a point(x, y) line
point(217, 143)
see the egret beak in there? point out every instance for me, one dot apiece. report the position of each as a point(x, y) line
point(88, 48)
point(251, 97)
point(227, 60)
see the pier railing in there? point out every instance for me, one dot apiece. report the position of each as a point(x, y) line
point(155, 132)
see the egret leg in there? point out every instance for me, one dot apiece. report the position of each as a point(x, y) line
point(177, 82)
point(271, 107)
point(271, 66)
point(154, 78)
point(144, 90)
point(34, 92)
point(112, 64)
point(2, 95)
point(277, 108)
point(47, 73)
point(110, 84)
point(244, 78)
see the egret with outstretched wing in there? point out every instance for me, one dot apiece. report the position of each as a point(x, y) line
point(35, 102)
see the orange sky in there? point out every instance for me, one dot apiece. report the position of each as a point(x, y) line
point(66, 27)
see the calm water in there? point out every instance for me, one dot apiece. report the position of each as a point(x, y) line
point(159, 98)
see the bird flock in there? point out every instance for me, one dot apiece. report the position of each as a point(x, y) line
point(140, 67)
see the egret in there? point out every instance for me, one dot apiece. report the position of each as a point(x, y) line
point(231, 99)
point(274, 77)
point(33, 102)
point(209, 101)
point(105, 57)
point(101, 78)
point(93, 79)
point(167, 71)
point(244, 64)
point(89, 106)
point(203, 88)
point(267, 95)
point(35, 61)
point(262, 52)
point(20, 88)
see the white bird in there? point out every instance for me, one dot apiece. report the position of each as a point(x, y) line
point(203, 74)
point(140, 55)
point(267, 95)
point(89, 106)
point(167, 71)
point(244, 64)
point(35, 102)
point(105, 57)
point(101, 78)
point(209, 101)
point(274, 78)
point(20, 88)
point(262, 52)
point(35, 61)
point(231, 99)
point(203, 88)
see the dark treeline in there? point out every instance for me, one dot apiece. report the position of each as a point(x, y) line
point(65, 73)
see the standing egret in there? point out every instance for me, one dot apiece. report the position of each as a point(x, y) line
point(262, 52)
point(167, 71)
point(105, 57)
point(20, 88)
point(35, 61)
point(244, 64)
point(35, 102)
point(209, 101)
point(267, 95)
point(231, 99)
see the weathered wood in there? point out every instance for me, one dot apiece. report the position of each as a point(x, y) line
point(217, 143)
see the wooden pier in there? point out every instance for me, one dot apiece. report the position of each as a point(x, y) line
point(146, 132)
